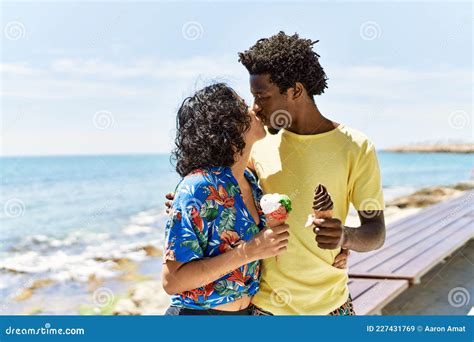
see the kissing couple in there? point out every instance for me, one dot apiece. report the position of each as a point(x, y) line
point(221, 257)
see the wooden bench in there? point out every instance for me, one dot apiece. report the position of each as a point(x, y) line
point(369, 296)
point(417, 243)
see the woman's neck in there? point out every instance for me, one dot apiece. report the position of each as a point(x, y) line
point(238, 169)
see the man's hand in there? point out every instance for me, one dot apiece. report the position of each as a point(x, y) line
point(170, 197)
point(329, 233)
point(341, 259)
point(369, 236)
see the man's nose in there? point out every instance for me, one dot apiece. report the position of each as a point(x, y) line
point(256, 108)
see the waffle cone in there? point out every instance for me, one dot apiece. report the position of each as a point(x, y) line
point(325, 214)
point(277, 217)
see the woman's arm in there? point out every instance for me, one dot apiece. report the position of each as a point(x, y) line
point(178, 277)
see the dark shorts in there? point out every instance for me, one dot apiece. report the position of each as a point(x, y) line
point(346, 309)
point(176, 311)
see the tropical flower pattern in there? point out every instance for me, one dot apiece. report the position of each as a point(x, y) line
point(208, 218)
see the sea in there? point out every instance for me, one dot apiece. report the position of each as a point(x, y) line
point(68, 218)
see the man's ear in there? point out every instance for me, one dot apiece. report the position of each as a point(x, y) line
point(297, 91)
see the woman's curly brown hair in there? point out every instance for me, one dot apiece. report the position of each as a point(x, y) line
point(210, 129)
point(287, 59)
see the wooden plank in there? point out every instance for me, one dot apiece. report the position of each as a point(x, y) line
point(444, 214)
point(358, 288)
point(429, 258)
point(369, 296)
point(448, 212)
point(413, 259)
point(435, 220)
point(396, 242)
point(408, 242)
point(408, 247)
point(445, 206)
point(389, 258)
point(470, 200)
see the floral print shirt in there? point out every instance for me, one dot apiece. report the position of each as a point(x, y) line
point(208, 218)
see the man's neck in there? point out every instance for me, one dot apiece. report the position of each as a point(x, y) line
point(308, 120)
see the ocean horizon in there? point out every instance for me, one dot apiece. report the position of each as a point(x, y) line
point(67, 218)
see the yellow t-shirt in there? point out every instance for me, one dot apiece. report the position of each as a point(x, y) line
point(302, 280)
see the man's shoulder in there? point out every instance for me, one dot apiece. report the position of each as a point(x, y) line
point(270, 139)
point(356, 139)
point(265, 147)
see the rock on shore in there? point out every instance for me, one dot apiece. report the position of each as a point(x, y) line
point(144, 298)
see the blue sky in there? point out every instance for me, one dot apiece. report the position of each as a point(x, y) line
point(91, 78)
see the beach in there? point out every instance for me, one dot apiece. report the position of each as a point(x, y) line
point(117, 272)
point(431, 148)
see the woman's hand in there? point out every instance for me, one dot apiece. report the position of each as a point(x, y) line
point(341, 259)
point(267, 243)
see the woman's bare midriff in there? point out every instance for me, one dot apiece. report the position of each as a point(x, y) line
point(239, 304)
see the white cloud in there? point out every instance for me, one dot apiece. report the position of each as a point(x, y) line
point(153, 68)
point(94, 76)
point(392, 105)
point(399, 84)
point(67, 78)
point(19, 70)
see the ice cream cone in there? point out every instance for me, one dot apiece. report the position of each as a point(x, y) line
point(323, 214)
point(322, 205)
point(277, 217)
point(276, 208)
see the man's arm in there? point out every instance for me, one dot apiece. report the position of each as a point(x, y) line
point(331, 233)
point(369, 236)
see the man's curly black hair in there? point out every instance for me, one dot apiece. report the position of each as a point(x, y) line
point(210, 129)
point(287, 59)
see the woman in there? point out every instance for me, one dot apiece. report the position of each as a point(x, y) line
point(215, 238)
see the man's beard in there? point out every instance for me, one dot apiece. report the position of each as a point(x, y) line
point(273, 131)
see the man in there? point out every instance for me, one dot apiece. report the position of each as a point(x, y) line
point(306, 149)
